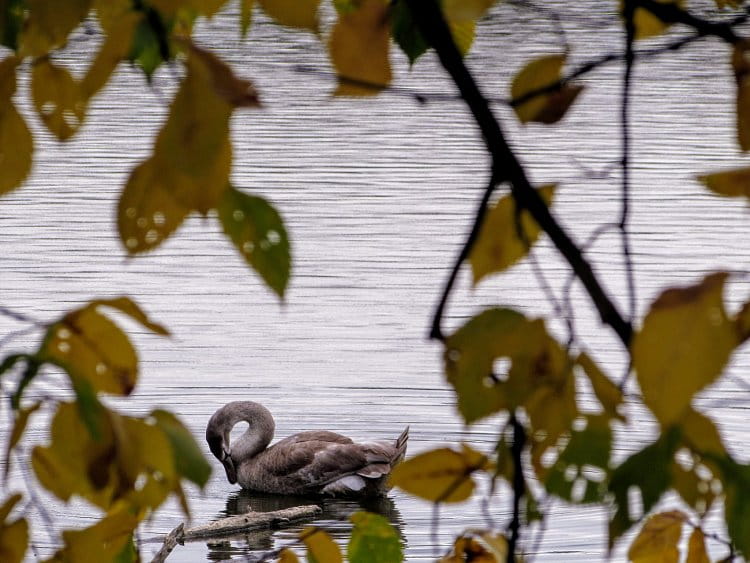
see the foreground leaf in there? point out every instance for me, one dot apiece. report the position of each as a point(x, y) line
point(147, 214)
point(646, 471)
point(16, 144)
point(741, 67)
point(658, 538)
point(608, 394)
point(102, 542)
point(257, 231)
point(19, 425)
point(373, 540)
point(49, 23)
point(732, 183)
point(685, 341)
point(647, 24)
point(548, 107)
point(294, 13)
point(14, 536)
point(478, 546)
point(58, 99)
point(697, 548)
point(188, 459)
point(359, 49)
point(500, 245)
point(441, 475)
point(11, 22)
point(320, 546)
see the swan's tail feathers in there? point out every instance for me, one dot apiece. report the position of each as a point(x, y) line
point(401, 446)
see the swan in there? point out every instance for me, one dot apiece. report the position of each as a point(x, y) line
point(309, 463)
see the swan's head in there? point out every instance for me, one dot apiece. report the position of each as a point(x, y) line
point(218, 442)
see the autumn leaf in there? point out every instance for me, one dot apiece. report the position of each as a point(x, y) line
point(288, 556)
point(685, 341)
point(741, 67)
point(731, 183)
point(373, 540)
point(57, 98)
point(608, 394)
point(697, 548)
point(147, 213)
point(440, 475)
point(294, 13)
point(358, 47)
point(548, 107)
point(19, 426)
point(48, 24)
point(103, 541)
point(647, 24)
point(320, 546)
point(658, 538)
point(257, 231)
point(14, 536)
point(186, 455)
point(465, 10)
point(478, 546)
point(16, 144)
point(499, 244)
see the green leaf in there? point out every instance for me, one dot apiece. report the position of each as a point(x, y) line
point(373, 540)
point(548, 107)
point(246, 16)
point(440, 475)
point(11, 22)
point(658, 538)
point(500, 245)
point(405, 32)
point(685, 341)
point(188, 459)
point(646, 470)
point(257, 231)
point(736, 481)
point(587, 448)
point(150, 46)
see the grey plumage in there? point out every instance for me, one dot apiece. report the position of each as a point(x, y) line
point(313, 462)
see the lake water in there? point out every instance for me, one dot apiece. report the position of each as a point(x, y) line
point(377, 196)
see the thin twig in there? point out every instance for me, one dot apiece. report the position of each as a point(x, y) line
point(519, 486)
point(21, 317)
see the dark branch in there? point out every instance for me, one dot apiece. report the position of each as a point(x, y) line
point(519, 485)
point(505, 166)
point(628, 15)
point(672, 13)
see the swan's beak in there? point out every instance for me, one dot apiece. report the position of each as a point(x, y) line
point(228, 463)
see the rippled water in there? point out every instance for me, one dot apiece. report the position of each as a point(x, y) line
point(377, 196)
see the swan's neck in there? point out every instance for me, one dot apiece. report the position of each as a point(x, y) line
point(258, 434)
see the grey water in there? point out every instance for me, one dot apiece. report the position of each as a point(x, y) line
point(377, 196)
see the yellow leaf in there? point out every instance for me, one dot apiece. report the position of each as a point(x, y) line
point(463, 34)
point(57, 98)
point(288, 556)
point(8, 79)
point(548, 107)
point(14, 536)
point(358, 48)
point(741, 67)
point(193, 153)
point(115, 48)
point(111, 12)
point(657, 542)
point(294, 13)
point(131, 308)
point(257, 231)
point(478, 546)
point(238, 92)
point(74, 463)
point(103, 541)
point(320, 546)
point(499, 245)
point(91, 347)
point(441, 475)
point(647, 24)
point(697, 548)
point(685, 341)
point(246, 15)
point(742, 322)
point(49, 23)
point(16, 149)
point(147, 213)
point(465, 10)
point(19, 425)
point(608, 394)
point(701, 434)
point(731, 183)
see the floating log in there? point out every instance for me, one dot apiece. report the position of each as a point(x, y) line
point(233, 525)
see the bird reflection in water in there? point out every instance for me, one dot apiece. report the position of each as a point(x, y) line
point(334, 519)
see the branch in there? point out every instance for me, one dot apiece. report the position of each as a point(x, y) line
point(505, 166)
point(628, 14)
point(672, 13)
point(519, 485)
